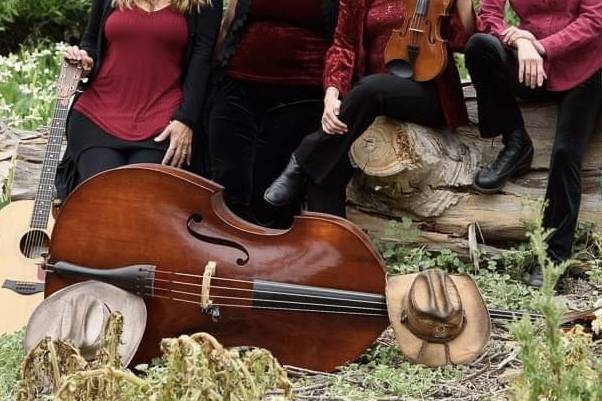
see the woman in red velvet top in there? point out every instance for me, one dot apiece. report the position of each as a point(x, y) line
point(267, 95)
point(358, 89)
point(555, 53)
point(148, 64)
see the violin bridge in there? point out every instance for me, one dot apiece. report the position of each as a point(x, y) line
point(206, 303)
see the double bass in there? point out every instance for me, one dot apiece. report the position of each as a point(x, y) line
point(417, 49)
point(313, 294)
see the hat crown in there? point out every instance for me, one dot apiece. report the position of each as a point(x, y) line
point(82, 321)
point(435, 311)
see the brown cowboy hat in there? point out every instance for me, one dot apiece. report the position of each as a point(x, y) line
point(79, 314)
point(438, 318)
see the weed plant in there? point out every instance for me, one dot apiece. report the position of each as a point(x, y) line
point(11, 357)
point(557, 366)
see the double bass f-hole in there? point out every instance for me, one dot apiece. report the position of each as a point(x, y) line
point(196, 219)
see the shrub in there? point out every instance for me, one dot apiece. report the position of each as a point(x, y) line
point(27, 86)
point(28, 22)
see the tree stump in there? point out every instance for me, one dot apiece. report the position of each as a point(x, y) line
point(426, 174)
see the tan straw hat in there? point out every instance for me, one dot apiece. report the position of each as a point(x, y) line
point(79, 313)
point(438, 318)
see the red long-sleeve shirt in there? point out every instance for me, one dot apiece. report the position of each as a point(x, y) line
point(138, 87)
point(569, 30)
point(362, 33)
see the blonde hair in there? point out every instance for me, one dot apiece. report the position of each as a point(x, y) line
point(183, 6)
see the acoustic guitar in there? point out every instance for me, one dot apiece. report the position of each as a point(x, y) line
point(25, 226)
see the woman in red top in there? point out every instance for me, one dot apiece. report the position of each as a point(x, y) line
point(555, 53)
point(267, 95)
point(355, 71)
point(149, 62)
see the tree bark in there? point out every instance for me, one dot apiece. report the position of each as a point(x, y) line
point(433, 182)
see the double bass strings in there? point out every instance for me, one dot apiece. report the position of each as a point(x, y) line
point(494, 313)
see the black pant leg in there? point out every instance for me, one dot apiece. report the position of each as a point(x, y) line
point(296, 113)
point(232, 131)
point(374, 95)
point(145, 156)
point(578, 115)
point(98, 159)
point(324, 157)
point(494, 72)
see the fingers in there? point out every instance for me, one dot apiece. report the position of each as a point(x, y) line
point(179, 150)
point(521, 70)
point(507, 34)
point(337, 126)
point(168, 156)
point(163, 135)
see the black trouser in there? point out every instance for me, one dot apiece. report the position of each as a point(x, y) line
point(324, 158)
point(253, 130)
point(94, 151)
point(493, 69)
point(96, 160)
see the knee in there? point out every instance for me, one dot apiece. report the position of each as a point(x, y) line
point(367, 90)
point(481, 45)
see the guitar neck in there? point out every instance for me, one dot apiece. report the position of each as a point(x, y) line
point(45, 193)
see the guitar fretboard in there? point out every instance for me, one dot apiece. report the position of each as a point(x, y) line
point(45, 194)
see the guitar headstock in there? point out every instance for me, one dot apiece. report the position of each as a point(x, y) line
point(69, 78)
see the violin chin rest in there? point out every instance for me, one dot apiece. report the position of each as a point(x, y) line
point(400, 68)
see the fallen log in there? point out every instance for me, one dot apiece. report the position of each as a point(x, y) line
point(426, 174)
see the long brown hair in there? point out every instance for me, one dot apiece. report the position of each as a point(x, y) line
point(182, 5)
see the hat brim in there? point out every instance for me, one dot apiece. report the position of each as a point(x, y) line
point(462, 349)
point(43, 321)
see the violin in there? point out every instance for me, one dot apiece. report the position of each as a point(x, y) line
point(417, 50)
point(313, 294)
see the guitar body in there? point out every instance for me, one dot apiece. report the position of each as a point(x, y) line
point(15, 218)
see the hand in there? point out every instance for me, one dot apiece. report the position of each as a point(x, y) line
point(512, 34)
point(332, 107)
point(75, 54)
point(180, 144)
point(530, 64)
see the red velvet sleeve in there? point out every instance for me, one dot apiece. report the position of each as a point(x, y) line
point(490, 18)
point(342, 56)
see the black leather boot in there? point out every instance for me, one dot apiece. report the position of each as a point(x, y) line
point(514, 160)
point(287, 187)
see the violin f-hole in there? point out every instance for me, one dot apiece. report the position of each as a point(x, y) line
point(196, 219)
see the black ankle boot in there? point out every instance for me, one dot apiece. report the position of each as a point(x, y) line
point(514, 160)
point(287, 187)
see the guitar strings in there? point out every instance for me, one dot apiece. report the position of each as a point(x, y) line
point(34, 243)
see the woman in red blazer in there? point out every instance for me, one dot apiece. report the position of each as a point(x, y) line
point(358, 89)
point(555, 53)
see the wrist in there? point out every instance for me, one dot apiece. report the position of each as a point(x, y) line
point(331, 91)
point(539, 47)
